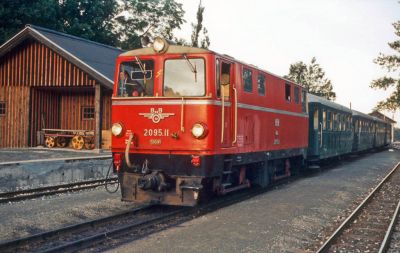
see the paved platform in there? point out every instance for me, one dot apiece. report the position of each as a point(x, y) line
point(35, 167)
point(8, 156)
point(286, 219)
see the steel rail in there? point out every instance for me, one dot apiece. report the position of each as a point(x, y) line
point(188, 213)
point(386, 241)
point(89, 240)
point(51, 190)
point(329, 242)
point(4, 246)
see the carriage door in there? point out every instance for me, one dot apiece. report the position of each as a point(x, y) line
point(225, 95)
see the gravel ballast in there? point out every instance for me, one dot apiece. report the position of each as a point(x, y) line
point(290, 218)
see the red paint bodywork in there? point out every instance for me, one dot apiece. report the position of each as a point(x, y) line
point(256, 115)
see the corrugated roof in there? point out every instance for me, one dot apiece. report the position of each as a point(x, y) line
point(95, 58)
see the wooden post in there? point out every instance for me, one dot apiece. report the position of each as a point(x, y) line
point(98, 115)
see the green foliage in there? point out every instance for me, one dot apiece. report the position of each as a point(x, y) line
point(114, 22)
point(198, 28)
point(91, 20)
point(15, 14)
point(392, 64)
point(150, 18)
point(312, 77)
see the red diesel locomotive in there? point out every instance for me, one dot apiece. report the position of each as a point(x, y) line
point(189, 122)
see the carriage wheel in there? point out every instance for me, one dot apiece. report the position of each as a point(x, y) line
point(89, 143)
point(50, 142)
point(78, 142)
point(61, 142)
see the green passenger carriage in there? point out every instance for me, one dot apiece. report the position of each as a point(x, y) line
point(330, 131)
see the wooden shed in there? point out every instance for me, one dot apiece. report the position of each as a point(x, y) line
point(51, 80)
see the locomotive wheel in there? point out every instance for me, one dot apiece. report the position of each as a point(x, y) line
point(61, 142)
point(78, 142)
point(50, 142)
point(89, 143)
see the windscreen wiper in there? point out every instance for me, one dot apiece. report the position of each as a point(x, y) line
point(192, 68)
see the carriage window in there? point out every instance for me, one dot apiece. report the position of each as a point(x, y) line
point(296, 95)
point(316, 119)
point(287, 92)
point(2, 108)
point(88, 112)
point(135, 78)
point(184, 77)
point(330, 117)
point(324, 120)
point(261, 84)
point(247, 80)
point(344, 122)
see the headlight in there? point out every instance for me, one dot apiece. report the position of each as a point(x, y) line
point(160, 45)
point(116, 129)
point(199, 130)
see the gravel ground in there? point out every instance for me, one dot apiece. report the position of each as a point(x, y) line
point(289, 218)
point(10, 155)
point(34, 216)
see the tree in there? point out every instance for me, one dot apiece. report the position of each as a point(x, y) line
point(392, 64)
point(148, 18)
point(15, 14)
point(198, 28)
point(114, 22)
point(92, 20)
point(312, 77)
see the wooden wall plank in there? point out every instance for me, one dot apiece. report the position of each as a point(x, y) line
point(36, 83)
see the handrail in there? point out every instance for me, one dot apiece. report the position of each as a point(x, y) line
point(235, 125)
point(223, 113)
point(182, 117)
point(320, 142)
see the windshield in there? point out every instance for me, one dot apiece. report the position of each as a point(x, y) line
point(136, 79)
point(184, 77)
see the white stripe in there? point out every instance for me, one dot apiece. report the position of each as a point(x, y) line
point(166, 102)
point(265, 109)
point(205, 102)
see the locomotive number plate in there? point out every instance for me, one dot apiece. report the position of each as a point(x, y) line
point(156, 132)
point(155, 141)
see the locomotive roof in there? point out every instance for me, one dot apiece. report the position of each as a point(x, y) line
point(172, 49)
point(316, 99)
point(177, 49)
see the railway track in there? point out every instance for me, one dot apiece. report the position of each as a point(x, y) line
point(391, 243)
point(104, 233)
point(13, 196)
point(371, 227)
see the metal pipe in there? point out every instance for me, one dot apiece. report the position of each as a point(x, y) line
point(128, 145)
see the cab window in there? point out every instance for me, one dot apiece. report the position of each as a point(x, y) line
point(184, 77)
point(287, 92)
point(296, 95)
point(261, 84)
point(224, 81)
point(135, 78)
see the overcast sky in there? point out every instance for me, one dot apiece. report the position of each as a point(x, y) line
point(344, 35)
